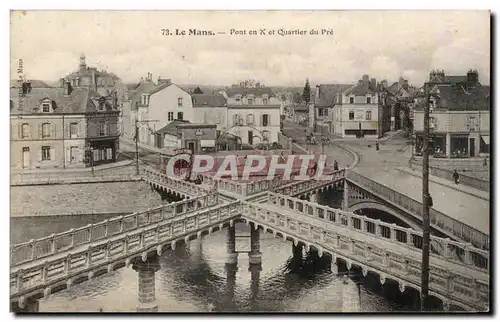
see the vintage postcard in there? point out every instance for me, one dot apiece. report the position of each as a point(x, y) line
point(250, 161)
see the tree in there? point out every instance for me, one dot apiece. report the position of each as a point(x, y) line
point(198, 90)
point(297, 98)
point(306, 93)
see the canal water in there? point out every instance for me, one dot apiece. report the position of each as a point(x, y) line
point(194, 278)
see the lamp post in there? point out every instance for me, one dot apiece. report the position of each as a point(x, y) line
point(426, 200)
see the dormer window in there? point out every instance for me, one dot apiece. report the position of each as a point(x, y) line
point(46, 105)
point(144, 99)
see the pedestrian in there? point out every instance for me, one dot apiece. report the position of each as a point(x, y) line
point(485, 162)
point(456, 177)
point(376, 146)
point(335, 165)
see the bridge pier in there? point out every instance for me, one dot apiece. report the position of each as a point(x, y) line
point(232, 255)
point(297, 251)
point(30, 306)
point(230, 284)
point(255, 256)
point(313, 197)
point(345, 200)
point(146, 285)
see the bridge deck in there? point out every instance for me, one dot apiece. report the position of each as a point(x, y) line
point(464, 207)
point(382, 243)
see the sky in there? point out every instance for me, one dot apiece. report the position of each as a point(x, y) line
point(382, 44)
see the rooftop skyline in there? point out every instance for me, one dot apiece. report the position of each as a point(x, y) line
point(383, 44)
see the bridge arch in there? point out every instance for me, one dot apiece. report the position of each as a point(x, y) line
point(381, 207)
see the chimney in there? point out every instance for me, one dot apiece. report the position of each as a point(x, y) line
point(472, 78)
point(67, 88)
point(61, 83)
point(366, 78)
point(373, 84)
point(317, 92)
point(94, 83)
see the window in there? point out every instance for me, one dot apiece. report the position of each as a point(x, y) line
point(101, 128)
point(472, 123)
point(250, 101)
point(250, 119)
point(170, 116)
point(45, 153)
point(46, 107)
point(368, 100)
point(179, 101)
point(264, 101)
point(323, 112)
point(73, 130)
point(25, 130)
point(265, 136)
point(180, 116)
point(368, 115)
point(351, 115)
point(351, 100)
point(266, 120)
point(73, 153)
point(238, 100)
point(45, 130)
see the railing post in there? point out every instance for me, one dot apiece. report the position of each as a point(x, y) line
point(409, 238)
point(121, 224)
point(67, 264)
point(378, 229)
point(393, 232)
point(91, 228)
point(33, 249)
point(106, 228)
point(89, 256)
point(19, 280)
point(52, 243)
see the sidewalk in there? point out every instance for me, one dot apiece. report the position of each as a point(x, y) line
point(141, 146)
point(460, 187)
point(73, 170)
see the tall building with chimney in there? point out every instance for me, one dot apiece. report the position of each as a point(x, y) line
point(460, 118)
point(62, 127)
point(356, 111)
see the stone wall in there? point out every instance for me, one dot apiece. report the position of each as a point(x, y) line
point(77, 199)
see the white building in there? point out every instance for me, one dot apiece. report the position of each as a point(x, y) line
point(356, 114)
point(253, 114)
point(210, 109)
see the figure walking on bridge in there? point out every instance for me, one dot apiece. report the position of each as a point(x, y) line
point(456, 177)
point(335, 165)
point(377, 146)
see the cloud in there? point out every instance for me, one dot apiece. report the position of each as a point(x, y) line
point(384, 44)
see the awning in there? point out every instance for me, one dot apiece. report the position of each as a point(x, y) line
point(486, 139)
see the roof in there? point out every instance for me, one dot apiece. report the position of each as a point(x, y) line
point(362, 88)
point(14, 83)
point(81, 100)
point(171, 128)
point(141, 88)
point(208, 100)
point(243, 91)
point(300, 107)
point(456, 97)
point(328, 94)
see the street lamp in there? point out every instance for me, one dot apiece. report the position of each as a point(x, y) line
point(426, 202)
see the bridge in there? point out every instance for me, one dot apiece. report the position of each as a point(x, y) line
point(459, 271)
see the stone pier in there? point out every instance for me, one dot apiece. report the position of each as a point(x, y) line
point(146, 285)
point(350, 296)
point(345, 200)
point(334, 268)
point(297, 251)
point(231, 270)
point(232, 255)
point(30, 306)
point(255, 256)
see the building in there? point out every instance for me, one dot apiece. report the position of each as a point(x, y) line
point(324, 99)
point(395, 106)
point(253, 114)
point(460, 116)
point(356, 111)
point(130, 105)
point(186, 135)
point(210, 109)
point(62, 127)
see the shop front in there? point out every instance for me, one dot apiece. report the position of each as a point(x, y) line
point(437, 144)
point(459, 145)
point(101, 151)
